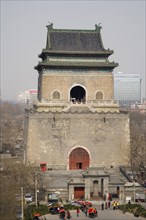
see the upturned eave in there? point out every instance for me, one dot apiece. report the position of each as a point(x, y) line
point(105, 53)
point(57, 64)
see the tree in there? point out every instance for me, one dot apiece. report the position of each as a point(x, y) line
point(12, 116)
point(136, 155)
point(13, 177)
point(138, 146)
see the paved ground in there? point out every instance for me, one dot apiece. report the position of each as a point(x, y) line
point(102, 215)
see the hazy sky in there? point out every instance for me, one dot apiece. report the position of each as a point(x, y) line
point(24, 33)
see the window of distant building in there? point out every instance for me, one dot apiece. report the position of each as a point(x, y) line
point(99, 95)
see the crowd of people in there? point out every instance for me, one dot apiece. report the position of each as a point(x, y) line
point(87, 209)
point(107, 204)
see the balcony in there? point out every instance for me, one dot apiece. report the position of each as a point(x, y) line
point(63, 106)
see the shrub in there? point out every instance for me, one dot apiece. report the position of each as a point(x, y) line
point(69, 207)
point(31, 209)
point(133, 208)
point(144, 214)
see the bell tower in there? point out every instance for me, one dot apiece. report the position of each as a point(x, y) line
point(75, 70)
point(76, 129)
point(76, 124)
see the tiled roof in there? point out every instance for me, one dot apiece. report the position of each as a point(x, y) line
point(74, 41)
point(75, 44)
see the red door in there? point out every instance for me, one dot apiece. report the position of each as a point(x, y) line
point(79, 159)
point(78, 192)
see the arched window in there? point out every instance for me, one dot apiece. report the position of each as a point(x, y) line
point(99, 95)
point(56, 95)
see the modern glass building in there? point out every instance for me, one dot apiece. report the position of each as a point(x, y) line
point(127, 89)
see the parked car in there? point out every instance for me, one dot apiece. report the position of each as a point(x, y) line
point(53, 204)
point(140, 197)
point(28, 197)
point(54, 210)
point(75, 203)
point(83, 202)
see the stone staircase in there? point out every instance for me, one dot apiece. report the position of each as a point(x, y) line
point(79, 108)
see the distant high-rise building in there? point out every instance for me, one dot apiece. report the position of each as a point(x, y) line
point(29, 96)
point(127, 89)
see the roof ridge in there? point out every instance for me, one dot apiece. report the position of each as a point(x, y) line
point(96, 30)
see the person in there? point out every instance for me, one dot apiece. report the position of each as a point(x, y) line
point(91, 212)
point(68, 216)
point(36, 216)
point(109, 204)
point(85, 212)
point(129, 202)
point(102, 206)
point(62, 213)
point(117, 204)
point(78, 211)
point(114, 205)
point(95, 212)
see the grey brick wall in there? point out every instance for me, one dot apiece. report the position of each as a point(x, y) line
point(52, 136)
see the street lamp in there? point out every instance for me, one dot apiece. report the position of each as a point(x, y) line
point(22, 203)
point(134, 190)
point(36, 191)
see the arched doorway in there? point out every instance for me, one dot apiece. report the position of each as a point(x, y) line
point(78, 94)
point(118, 191)
point(79, 159)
